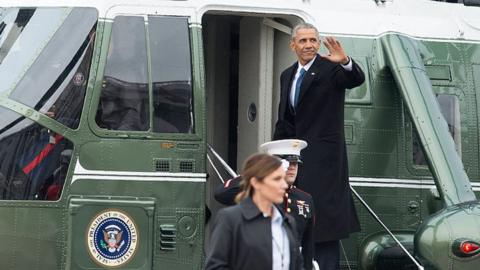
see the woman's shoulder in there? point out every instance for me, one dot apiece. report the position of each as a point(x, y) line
point(230, 211)
point(246, 209)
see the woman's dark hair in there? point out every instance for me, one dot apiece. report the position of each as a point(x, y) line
point(256, 166)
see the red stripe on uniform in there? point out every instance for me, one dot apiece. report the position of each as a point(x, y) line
point(45, 151)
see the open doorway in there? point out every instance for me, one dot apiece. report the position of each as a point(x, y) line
point(244, 57)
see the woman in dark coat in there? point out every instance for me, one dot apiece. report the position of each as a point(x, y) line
point(255, 234)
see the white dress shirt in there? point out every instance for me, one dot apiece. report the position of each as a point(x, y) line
point(280, 243)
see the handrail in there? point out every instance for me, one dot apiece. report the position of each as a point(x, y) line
point(419, 266)
point(219, 158)
point(215, 169)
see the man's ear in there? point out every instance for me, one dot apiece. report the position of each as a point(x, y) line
point(292, 45)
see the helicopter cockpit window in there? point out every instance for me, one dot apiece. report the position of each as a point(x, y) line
point(22, 38)
point(33, 160)
point(450, 108)
point(171, 74)
point(124, 101)
point(11, 27)
point(45, 58)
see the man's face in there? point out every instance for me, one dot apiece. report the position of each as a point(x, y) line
point(305, 45)
point(291, 174)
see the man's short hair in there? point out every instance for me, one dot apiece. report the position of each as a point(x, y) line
point(304, 26)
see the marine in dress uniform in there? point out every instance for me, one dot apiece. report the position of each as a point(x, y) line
point(297, 203)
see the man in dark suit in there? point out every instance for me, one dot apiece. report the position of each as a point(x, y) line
point(312, 109)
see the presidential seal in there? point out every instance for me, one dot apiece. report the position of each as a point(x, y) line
point(112, 238)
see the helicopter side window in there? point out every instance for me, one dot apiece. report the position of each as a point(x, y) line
point(450, 108)
point(171, 74)
point(125, 103)
point(124, 100)
point(33, 160)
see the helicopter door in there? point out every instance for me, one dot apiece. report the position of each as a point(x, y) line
point(255, 86)
point(244, 57)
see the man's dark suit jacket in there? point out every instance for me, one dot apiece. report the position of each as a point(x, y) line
point(318, 119)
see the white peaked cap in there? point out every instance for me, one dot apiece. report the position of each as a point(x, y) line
point(284, 147)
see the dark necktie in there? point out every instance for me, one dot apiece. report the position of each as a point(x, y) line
point(297, 86)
